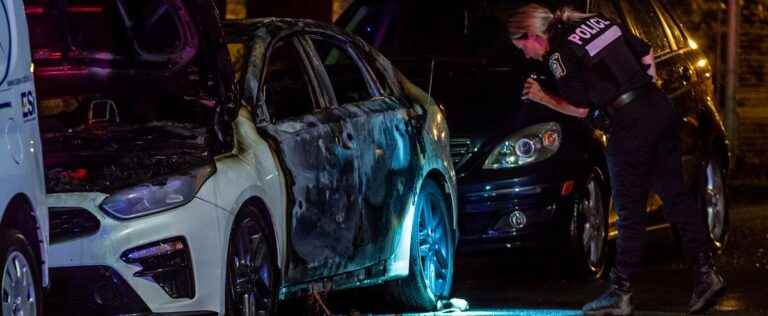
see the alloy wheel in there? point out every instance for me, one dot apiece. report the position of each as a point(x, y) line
point(252, 279)
point(433, 247)
point(594, 229)
point(18, 286)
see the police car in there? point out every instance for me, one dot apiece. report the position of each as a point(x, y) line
point(24, 226)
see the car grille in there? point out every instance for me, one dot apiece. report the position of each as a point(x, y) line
point(461, 150)
point(71, 222)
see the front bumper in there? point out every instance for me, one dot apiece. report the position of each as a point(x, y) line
point(516, 213)
point(100, 256)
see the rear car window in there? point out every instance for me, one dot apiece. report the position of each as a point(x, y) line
point(380, 73)
point(286, 89)
point(348, 80)
point(646, 22)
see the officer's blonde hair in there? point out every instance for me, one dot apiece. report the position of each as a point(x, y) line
point(536, 19)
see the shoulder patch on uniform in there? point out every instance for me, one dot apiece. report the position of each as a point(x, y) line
point(556, 66)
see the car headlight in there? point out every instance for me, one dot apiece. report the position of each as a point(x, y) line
point(532, 144)
point(157, 195)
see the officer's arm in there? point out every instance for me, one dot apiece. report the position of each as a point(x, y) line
point(572, 96)
point(533, 91)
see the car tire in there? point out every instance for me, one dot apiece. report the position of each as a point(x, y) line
point(252, 274)
point(432, 254)
point(712, 199)
point(589, 230)
point(20, 265)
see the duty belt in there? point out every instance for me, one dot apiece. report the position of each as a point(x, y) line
point(630, 96)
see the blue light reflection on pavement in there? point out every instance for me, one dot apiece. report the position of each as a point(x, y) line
point(507, 312)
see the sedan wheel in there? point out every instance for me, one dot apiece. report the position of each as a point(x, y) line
point(251, 270)
point(431, 264)
point(589, 232)
point(715, 204)
point(594, 231)
point(433, 247)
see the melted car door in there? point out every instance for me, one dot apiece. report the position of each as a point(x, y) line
point(319, 169)
point(374, 124)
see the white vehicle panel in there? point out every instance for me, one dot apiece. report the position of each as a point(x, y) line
point(199, 222)
point(21, 169)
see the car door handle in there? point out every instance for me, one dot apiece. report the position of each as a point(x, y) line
point(347, 140)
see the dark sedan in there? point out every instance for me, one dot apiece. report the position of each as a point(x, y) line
point(528, 175)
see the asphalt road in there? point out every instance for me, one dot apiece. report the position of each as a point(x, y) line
point(522, 283)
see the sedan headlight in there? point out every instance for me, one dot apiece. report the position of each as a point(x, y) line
point(532, 144)
point(156, 196)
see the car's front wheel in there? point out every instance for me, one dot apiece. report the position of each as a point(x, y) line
point(251, 284)
point(432, 254)
point(590, 229)
point(21, 288)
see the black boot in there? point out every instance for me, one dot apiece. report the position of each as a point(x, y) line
point(616, 301)
point(709, 284)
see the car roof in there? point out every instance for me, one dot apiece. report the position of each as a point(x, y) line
point(276, 26)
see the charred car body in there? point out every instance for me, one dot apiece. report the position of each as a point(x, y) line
point(206, 169)
point(529, 175)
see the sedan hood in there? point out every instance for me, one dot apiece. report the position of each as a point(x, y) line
point(485, 101)
point(483, 105)
point(128, 91)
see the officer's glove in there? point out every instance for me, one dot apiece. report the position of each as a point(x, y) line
point(598, 119)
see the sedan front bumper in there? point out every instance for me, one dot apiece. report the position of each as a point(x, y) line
point(515, 213)
point(103, 256)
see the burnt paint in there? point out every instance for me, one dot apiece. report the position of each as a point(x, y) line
point(351, 169)
point(386, 172)
point(323, 187)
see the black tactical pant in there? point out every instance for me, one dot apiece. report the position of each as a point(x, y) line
point(644, 155)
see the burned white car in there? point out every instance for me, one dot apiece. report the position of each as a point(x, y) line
point(207, 170)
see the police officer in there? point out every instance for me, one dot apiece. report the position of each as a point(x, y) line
point(597, 64)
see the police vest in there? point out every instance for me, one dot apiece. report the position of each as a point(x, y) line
point(610, 65)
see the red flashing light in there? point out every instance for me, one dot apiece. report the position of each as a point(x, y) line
point(33, 9)
point(79, 174)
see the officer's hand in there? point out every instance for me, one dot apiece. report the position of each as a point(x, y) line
point(532, 91)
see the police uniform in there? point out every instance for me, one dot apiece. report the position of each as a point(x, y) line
point(597, 63)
